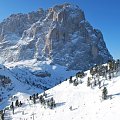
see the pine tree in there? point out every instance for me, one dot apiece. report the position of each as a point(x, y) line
point(34, 99)
point(16, 103)
point(70, 108)
point(41, 99)
point(70, 81)
point(95, 83)
point(52, 103)
point(2, 117)
point(30, 97)
point(20, 104)
point(104, 93)
point(109, 76)
point(88, 82)
point(37, 95)
point(99, 83)
point(12, 107)
point(75, 82)
point(44, 94)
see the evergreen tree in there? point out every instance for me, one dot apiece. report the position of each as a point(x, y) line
point(95, 83)
point(2, 117)
point(12, 107)
point(104, 93)
point(88, 82)
point(109, 76)
point(34, 99)
point(41, 99)
point(70, 81)
point(17, 103)
point(20, 104)
point(99, 83)
point(75, 82)
point(52, 103)
point(44, 94)
point(1, 114)
point(30, 97)
point(37, 95)
point(70, 108)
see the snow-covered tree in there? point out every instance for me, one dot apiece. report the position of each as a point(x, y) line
point(104, 93)
point(88, 82)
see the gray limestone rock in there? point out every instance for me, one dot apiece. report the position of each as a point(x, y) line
point(61, 34)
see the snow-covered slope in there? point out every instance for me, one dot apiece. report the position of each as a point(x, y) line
point(39, 72)
point(86, 102)
point(11, 85)
point(30, 76)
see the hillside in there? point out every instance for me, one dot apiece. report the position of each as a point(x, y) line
point(73, 102)
point(10, 85)
point(28, 77)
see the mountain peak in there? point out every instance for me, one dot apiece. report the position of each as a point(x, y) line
point(60, 33)
point(65, 5)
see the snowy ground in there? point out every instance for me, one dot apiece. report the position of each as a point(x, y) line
point(86, 103)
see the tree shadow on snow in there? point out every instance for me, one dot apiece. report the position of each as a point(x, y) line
point(60, 104)
point(104, 85)
point(113, 95)
point(48, 95)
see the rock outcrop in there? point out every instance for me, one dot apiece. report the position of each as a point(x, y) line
point(61, 34)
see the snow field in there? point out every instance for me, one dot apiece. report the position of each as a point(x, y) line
point(86, 103)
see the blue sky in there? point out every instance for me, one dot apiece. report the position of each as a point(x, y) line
point(102, 14)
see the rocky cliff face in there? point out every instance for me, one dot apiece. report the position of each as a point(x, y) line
point(61, 34)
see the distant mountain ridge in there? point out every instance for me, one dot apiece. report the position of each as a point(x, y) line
point(61, 34)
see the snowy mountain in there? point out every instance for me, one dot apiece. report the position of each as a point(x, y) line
point(61, 34)
point(29, 76)
point(40, 51)
point(73, 102)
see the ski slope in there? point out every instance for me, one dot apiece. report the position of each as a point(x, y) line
point(86, 103)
